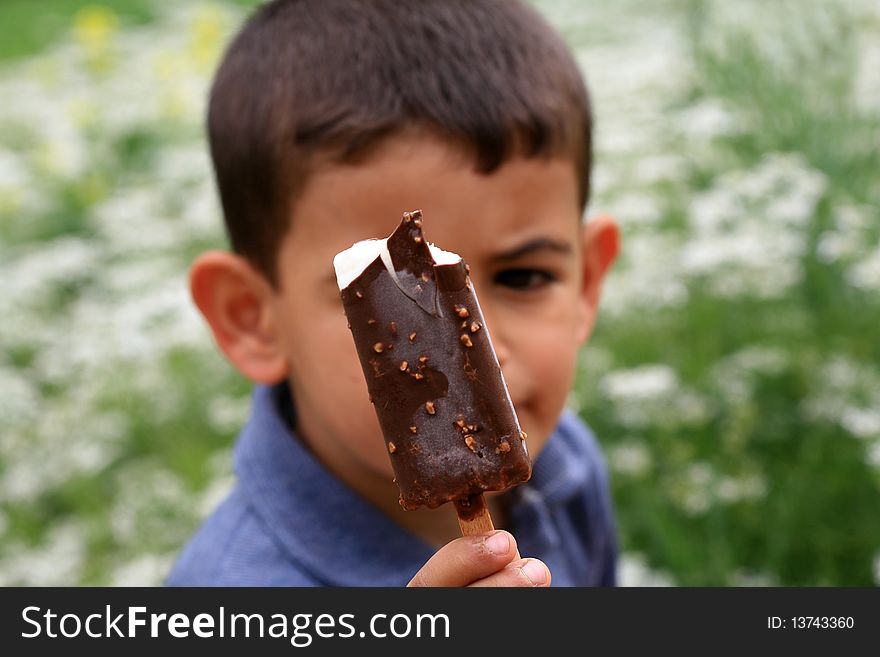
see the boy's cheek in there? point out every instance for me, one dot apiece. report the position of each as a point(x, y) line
point(552, 376)
point(360, 429)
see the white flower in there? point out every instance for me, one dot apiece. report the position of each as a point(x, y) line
point(693, 493)
point(19, 400)
point(649, 277)
point(37, 270)
point(56, 561)
point(641, 383)
point(834, 246)
point(652, 169)
point(865, 274)
point(635, 208)
point(734, 489)
point(708, 119)
point(861, 422)
point(227, 414)
point(632, 570)
point(154, 509)
point(143, 570)
point(14, 173)
point(735, 375)
point(867, 85)
point(630, 458)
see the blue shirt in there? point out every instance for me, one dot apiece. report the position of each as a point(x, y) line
point(290, 522)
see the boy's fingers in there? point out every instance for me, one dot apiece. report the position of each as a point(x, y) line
point(523, 572)
point(467, 559)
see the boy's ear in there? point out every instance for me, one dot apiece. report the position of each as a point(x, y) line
point(236, 301)
point(600, 243)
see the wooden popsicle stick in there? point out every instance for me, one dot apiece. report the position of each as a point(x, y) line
point(473, 515)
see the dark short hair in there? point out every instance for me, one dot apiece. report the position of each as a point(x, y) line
point(335, 77)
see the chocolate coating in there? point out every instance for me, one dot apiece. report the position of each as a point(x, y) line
point(429, 364)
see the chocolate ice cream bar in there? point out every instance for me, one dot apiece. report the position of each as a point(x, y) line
point(432, 374)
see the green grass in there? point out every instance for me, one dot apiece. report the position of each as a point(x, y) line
point(29, 26)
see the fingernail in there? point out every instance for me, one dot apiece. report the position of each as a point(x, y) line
point(535, 571)
point(498, 543)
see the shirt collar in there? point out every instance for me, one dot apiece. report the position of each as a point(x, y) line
point(335, 534)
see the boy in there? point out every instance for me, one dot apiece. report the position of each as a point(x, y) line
point(328, 120)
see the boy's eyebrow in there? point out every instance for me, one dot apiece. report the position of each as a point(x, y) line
point(538, 244)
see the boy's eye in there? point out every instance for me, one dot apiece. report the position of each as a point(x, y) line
point(524, 279)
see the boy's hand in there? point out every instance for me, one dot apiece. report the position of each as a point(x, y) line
point(484, 560)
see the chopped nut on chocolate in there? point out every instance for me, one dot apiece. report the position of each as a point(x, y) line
point(417, 239)
point(473, 428)
point(470, 442)
point(392, 447)
point(393, 327)
point(412, 336)
point(466, 341)
point(378, 347)
point(359, 294)
point(461, 311)
point(413, 429)
point(404, 366)
point(371, 321)
point(460, 423)
point(475, 326)
point(429, 406)
point(503, 447)
point(523, 435)
point(423, 359)
point(418, 376)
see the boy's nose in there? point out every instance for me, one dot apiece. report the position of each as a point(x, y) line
point(499, 343)
point(501, 351)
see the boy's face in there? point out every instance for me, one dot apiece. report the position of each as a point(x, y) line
point(534, 303)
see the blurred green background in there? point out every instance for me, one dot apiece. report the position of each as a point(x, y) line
point(734, 376)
